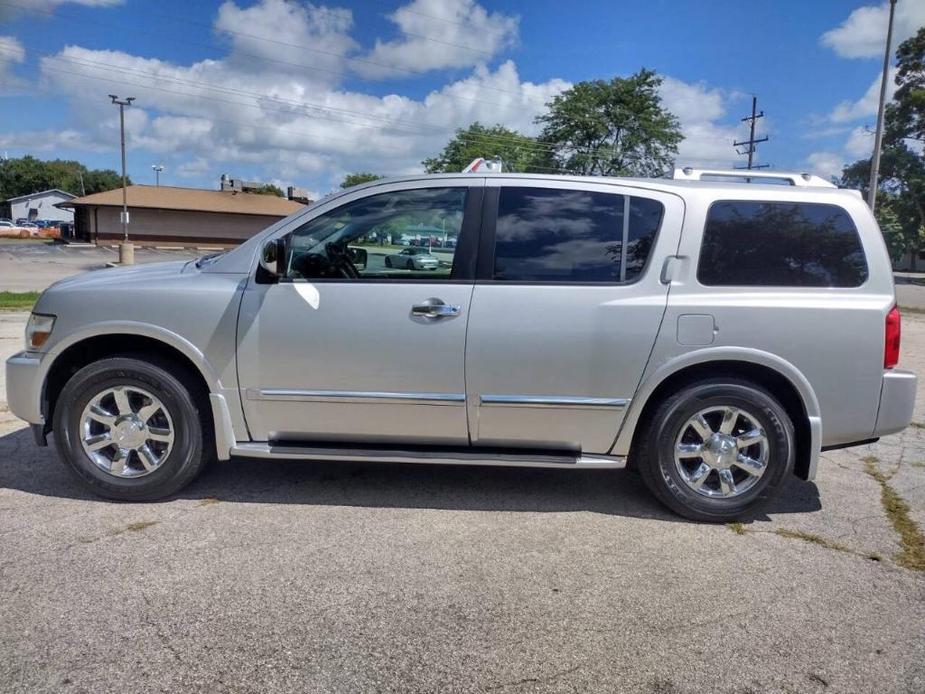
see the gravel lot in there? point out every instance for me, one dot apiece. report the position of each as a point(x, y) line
point(332, 577)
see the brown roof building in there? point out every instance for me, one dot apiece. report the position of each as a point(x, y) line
point(165, 215)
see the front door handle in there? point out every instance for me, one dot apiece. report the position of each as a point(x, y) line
point(434, 308)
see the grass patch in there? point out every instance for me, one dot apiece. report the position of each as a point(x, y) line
point(917, 425)
point(18, 301)
point(909, 309)
point(140, 525)
point(813, 539)
point(911, 540)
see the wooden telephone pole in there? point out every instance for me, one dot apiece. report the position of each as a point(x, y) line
point(750, 143)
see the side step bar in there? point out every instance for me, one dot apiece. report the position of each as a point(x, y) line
point(434, 456)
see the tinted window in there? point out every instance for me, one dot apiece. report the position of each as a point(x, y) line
point(550, 235)
point(409, 234)
point(780, 244)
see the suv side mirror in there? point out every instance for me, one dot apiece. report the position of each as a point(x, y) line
point(273, 257)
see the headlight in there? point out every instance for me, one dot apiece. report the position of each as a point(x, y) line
point(38, 329)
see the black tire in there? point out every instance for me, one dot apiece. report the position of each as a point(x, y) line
point(655, 458)
point(193, 443)
point(388, 262)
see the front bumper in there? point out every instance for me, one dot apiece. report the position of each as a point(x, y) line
point(897, 400)
point(24, 386)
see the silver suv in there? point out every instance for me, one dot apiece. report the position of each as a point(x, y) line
point(714, 336)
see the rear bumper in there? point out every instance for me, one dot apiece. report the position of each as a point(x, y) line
point(897, 400)
point(24, 386)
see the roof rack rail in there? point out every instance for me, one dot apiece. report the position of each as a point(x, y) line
point(804, 180)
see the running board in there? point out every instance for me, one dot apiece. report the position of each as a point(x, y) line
point(434, 456)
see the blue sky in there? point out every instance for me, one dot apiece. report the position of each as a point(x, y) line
point(300, 93)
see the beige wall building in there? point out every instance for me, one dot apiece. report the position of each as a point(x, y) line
point(165, 215)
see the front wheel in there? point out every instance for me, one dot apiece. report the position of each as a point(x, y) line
point(130, 430)
point(717, 450)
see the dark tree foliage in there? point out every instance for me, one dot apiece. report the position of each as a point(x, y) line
point(355, 179)
point(25, 175)
point(519, 153)
point(612, 128)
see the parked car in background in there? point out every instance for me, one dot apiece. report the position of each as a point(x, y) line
point(413, 258)
point(715, 336)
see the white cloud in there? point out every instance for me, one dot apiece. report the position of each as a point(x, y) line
point(247, 114)
point(11, 51)
point(196, 168)
point(863, 33)
point(826, 164)
point(307, 42)
point(47, 7)
point(699, 107)
point(866, 106)
point(437, 34)
point(860, 143)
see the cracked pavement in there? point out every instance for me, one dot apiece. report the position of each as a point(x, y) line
point(333, 577)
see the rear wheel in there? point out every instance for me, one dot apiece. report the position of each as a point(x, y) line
point(130, 430)
point(717, 450)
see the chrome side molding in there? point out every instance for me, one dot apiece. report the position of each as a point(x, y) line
point(357, 396)
point(550, 401)
point(474, 456)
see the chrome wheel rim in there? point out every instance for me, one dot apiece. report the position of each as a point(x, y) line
point(126, 431)
point(721, 452)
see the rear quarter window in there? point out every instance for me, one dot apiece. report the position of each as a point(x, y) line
point(780, 244)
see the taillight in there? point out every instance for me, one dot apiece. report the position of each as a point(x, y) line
point(891, 345)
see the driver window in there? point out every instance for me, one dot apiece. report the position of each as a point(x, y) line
point(408, 234)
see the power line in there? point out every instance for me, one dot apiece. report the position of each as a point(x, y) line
point(263, 126)
point(187, 21)
point(286, 106)
point(213, 43)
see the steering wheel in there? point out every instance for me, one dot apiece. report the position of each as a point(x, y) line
point(340, 259)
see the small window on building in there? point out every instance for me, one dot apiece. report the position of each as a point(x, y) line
point(780, 244)
point(572, 236)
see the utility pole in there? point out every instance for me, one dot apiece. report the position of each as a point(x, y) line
point(751, 141)
point(878, 137)
point(126, 250)
point(157, 168)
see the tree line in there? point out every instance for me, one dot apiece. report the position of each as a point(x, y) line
point(27, 175)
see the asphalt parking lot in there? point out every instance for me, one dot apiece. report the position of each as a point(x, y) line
point(332, 577)
point(33, 265)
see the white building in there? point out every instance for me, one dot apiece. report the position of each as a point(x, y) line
point(41, 206)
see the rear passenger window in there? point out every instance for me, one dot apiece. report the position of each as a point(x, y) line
point(780, 244)
point(577, 236)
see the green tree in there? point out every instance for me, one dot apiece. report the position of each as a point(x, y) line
point(612, 128)
point(355, 179)
point(25, 175)
point(901, 184)
point(519, 153)
point(268, 189)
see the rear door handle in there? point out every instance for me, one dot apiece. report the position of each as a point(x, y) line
point(435, 308)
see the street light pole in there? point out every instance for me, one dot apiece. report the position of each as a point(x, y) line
point(157, 168)
point(126, 250)
point(878, 137)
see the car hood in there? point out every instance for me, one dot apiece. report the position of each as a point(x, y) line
point(148, 273)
